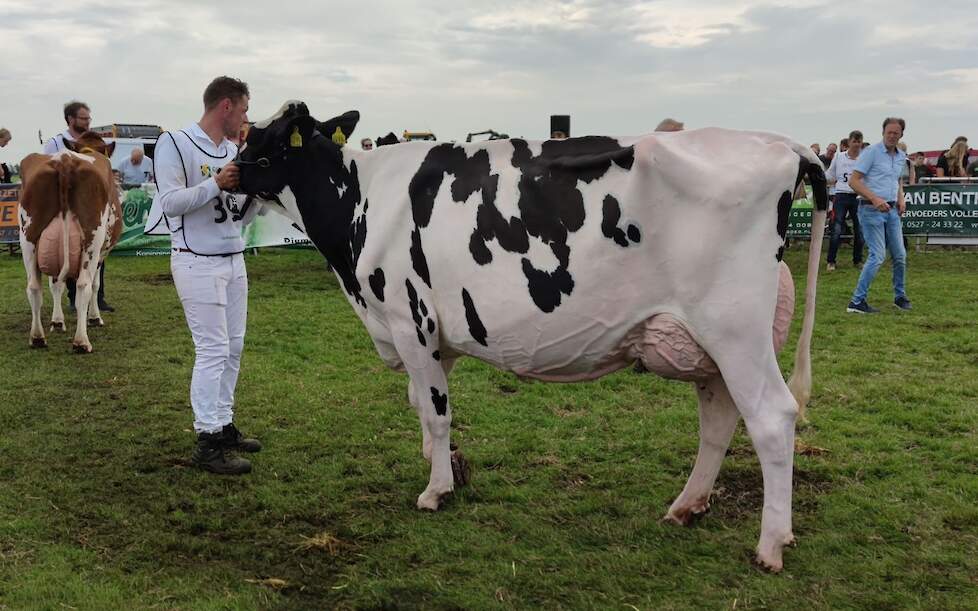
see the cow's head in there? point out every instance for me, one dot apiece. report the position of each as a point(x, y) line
point(90, 142)
point(278, 147)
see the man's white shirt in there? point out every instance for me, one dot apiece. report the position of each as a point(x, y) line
point(199, 216)
point(57, 143)
point(840, 170)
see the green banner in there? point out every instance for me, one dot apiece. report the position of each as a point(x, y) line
point(932, 209)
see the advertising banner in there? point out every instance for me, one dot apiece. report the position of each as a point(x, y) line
point(9, 196)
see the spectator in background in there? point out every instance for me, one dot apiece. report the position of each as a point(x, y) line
point(845, 203)
point(78, 116)
point(829, 154)
point(817, 149)
point(972, 169)
point(137, 169)
point(907, 176)
point(952, 163)
point(843, 145)
point(669, 125)
point(876, 180)
point(5, 174)
point(367, 144)
point(920, 167)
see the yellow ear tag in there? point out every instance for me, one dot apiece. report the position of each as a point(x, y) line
point(295, 140)
point(338, 137)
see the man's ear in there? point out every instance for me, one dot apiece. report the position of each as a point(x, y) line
point(346, 123)
point(300, 131)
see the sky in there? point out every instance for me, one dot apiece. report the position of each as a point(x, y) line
point(810, 69)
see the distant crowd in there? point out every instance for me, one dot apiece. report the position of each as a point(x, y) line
point(949, 164)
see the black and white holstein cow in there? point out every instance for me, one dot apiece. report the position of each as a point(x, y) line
point(564, 261)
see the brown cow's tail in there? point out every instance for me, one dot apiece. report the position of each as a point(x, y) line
point(66, 174)
point(800, 383)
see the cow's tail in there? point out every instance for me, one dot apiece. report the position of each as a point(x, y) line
point(66, 171)
point(800, 383)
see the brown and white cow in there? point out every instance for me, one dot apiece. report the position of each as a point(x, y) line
point(70, 218)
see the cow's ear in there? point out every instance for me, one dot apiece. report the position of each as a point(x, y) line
point(299, 131)
point(345, 123)
point(70, 145)
point(109, 149)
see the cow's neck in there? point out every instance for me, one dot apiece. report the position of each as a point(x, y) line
point(327, 202)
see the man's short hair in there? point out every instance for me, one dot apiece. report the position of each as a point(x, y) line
point(897, 120)
point(856, 135)
point(4, 132)
point(224, 87)
point(72, 108)
point(669, 125)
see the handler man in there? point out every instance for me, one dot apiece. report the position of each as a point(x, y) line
point(876, 180)
point(195, 178)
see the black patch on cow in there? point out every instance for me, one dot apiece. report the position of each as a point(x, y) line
point(436, 355)
point(546, 287)
point(476, 328)
point(328, 216)
point(550, 204)
point(440, 400)
point(418, 260)
point(816, 176)
point(419, 313)
point(610, 217)
point(784, 210)
point(377, 282)
point(634, 234)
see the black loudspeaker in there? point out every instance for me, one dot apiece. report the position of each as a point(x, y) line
point(560, 123)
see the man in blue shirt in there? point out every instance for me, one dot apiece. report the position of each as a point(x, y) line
point(137, 169)
point(876, 180)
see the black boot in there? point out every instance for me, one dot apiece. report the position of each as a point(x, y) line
point(210, 455)
point(234, 440)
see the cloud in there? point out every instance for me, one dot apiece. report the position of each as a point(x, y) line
point(813, 69)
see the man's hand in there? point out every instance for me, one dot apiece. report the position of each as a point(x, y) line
point(880, 204)
point(901, 206)
point(227, 177)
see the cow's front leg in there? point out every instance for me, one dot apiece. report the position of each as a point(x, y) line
point(718, 420)
point(57, 315)
point(35, 295)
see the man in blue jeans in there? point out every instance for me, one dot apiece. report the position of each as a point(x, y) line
point(845, 203)
point(876, 180)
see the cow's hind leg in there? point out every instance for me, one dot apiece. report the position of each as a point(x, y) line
point(94, 315)
point(718, 419)
point(83, 298)
point(35, 295)
point(769, 411)
point(446, 365)
point(57, 315)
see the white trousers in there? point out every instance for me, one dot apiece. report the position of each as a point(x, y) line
point(214, 294)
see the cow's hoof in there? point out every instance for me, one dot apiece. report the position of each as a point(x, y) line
point(686, 516)
point(81, 349)
point(770, 556)
point(57, 326)
point(39, 342)
point(96, 322)
point(461, 470)
point(431, 500)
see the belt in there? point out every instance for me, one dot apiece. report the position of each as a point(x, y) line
point(866, 202)
point(187, 250)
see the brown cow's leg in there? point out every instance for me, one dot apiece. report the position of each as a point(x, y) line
point(57, 315)
point(718, 419)
point(35, 296)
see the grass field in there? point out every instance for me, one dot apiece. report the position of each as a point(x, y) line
point(100, 510)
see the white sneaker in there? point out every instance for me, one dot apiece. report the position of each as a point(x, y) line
point(830, 267)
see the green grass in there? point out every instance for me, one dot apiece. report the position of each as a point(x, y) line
point(99, 509)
